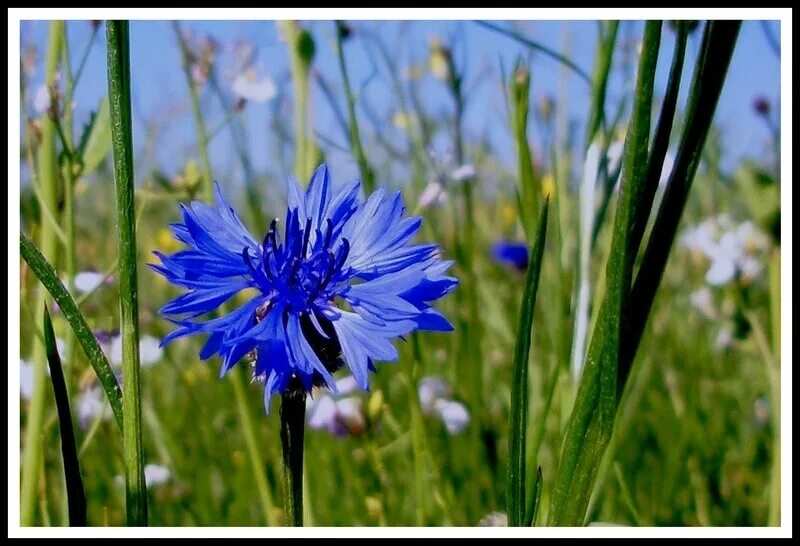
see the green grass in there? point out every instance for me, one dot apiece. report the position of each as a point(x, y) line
point(685, 442)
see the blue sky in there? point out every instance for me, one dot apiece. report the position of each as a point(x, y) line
point(160, 94)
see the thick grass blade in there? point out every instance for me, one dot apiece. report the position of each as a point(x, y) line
point(76, 497)
point(119, 93)
point(518, 420)
point(658, 150)
point(592, 418)
point(719, 40)
point(91, 348)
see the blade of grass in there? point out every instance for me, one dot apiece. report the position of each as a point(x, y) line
point(533, 506)
point(48, 184)
point(719, 40)
point(367, 173)
point(49, 278)
point(602, 66)
point(119, 93)
point(76, 497)
point(536, 46)
point(518, 420)
point(520, 89)
point(591, 421)
point(658, 150)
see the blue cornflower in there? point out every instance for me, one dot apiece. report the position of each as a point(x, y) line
point(511, 253)
point(335, 289)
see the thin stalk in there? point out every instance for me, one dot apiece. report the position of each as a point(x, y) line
point(301, 53)
point(417, 435)
point(367, 173)
point(197, 113)
point(536, 46)
point(119, 92)
point(69, 195)
point(48, 179)
point(293, 416)
point(253, 450)
point(603, 56)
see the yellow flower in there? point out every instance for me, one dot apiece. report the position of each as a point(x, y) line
point(166, 242)
point(508, 213)
point(401, 120)
point(548, 185)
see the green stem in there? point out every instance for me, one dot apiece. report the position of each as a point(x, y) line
point(253, 449)
point(293, 416)
point(48, 180)
point(367, 174)
point(197, 113)
point(417, 435)
point(301, 52)
point(119, 92)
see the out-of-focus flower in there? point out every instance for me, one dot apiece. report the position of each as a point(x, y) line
point(91, 405)
point(439, 60)
point(732, 251)
point(454, 415)
point(41, 99)
point(401, 120)
point(249, 86)
point(511, 253)
point(433, 194)
point(340, 415)
point(703, 301)
point(154, 475)
point(724, 338)
point(25, 379)
point(434, 399)
point(494, 519)
point(761, 106)
point(431, 389)
point(446, 174)
point(88, 281)
point(150, 351)
point(761, 411)
point(336, 251)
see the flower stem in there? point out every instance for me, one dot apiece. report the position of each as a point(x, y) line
point(293, 416)
point(197, 113)
point(119, 92)
point(48, 181)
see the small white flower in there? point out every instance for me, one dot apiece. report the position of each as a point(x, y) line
point(25, 379)
point(321, 411)
point(724, 338)
point(463, 172)
point(434, 194)
point(248, 86)
point(92, 404)
point(454, 415)
point(156, 475)
point(149, 351)
point(346, 385)
point(41, 99)
point(87, 281)
point(721, 272)
point(431, 389)
point(703, 301)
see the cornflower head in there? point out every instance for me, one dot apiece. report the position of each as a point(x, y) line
point(333, 288)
